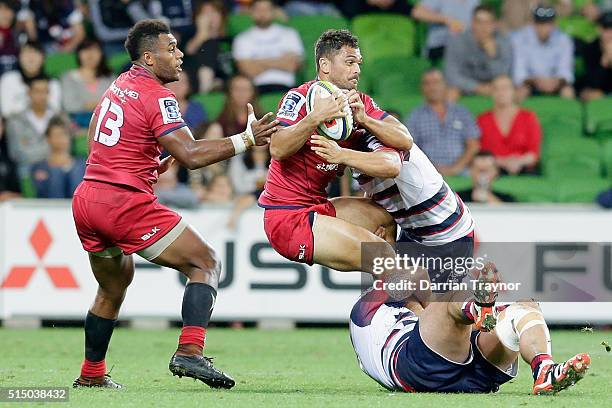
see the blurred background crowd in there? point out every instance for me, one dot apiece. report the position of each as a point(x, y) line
point(509, 99)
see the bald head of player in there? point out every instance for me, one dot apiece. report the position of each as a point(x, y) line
point(338, 58)
point(152, 46)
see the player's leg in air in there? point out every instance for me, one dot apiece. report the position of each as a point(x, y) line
point(521, 329)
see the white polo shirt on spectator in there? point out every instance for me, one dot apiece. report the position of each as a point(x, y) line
point(533, 58)
point(274, 41)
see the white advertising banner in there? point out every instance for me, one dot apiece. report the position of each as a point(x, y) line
point(45, 273)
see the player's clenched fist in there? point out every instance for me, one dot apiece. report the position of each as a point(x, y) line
point(260, 130)
point(330, 107)
point(356, 105)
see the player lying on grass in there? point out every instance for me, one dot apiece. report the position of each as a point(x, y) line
point(406, 348)
point(300, 222)
point(117, 214)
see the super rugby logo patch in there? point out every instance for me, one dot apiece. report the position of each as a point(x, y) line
point(170, 110)
point(290, 108)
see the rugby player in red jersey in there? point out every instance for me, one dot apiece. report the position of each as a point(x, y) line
point(300, 222)
point(116, 213)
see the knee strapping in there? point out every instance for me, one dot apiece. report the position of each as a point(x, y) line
point(507, 328)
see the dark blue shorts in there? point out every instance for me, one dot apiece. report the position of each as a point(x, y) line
point(426, 371)
point(461, 251)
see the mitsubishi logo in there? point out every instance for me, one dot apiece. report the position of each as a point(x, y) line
point(19, 276)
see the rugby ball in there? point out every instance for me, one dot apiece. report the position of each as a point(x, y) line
point(336, 129)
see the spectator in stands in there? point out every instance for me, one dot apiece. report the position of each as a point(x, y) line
point(598, 61)
point(445, 18)
point(483, 172)
point(26, 131)
point(352, 8)
point(59, 174)
point(83, 87)
point(446, 132)
point(269, 54)
point(171, 192)
point(593, 9)
point(192, 111)
point(9, 44)
point(200, 178)
point(512, 134)
point(543, 57)
point(59, 23)
point(112, 19)
point(13, 89)
point(312, 8)
point(474, 58)
point(10, 187)
point(207, 59)
point(233, 117)
point(248, 176)
point(516, 14)
point(219, 190)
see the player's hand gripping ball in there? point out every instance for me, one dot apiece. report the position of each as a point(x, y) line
point(338, 128)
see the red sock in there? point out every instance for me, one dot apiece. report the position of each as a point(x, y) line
point(93, 368)
point(537, 361)
point(192, 336)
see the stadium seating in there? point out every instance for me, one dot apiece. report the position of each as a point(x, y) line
point(269, 102)
point(531, 189)
point(393, 76)
point(476, 104)
point(58, 63)
point(212, 102)
point(402, 104)
point(238, 22)
point(310, 28)
point(577, 190)
point(384, 35)
point(599, 117)
point(607, 157)
point(117, 62)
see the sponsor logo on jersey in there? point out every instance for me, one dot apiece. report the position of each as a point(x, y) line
point(327, 166)
point(290, 108)
point(122, 93)
point(148, 235)
point(302, 253)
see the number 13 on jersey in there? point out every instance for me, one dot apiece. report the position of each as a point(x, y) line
point(113, 125)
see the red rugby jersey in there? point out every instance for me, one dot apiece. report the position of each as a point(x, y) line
point(133, 112)
point(301, 180)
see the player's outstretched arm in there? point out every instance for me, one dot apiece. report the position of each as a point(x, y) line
point(194, 154)
point(390, 131)
point(288, 140)
point(385, 163)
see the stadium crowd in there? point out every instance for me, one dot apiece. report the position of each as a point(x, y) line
point(56, 58)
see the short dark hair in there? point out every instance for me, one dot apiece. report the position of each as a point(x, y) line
point(143, 36)
point(40, 77)
point(102, 69)
point(486, 8)
point(332, 41)
point(57, 121)
point(484, 153)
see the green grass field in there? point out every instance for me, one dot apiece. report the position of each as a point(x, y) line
point(306, 367)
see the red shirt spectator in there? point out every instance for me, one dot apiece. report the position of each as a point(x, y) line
point(511, 133)
point(524, 136)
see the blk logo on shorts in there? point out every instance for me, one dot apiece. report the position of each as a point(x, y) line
point(302, 253)
point(148, 235)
